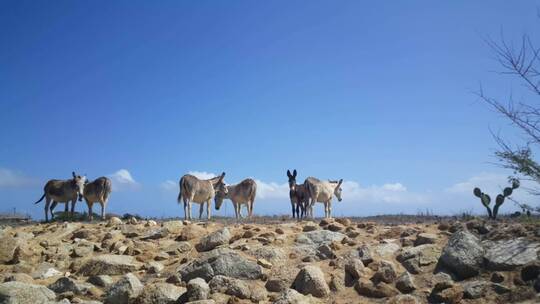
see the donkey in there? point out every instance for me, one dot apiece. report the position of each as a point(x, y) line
point(199, 191)
point(319, 191)
point(62, 191)
point(239, 194)
point(97, 191)
point(298, 195)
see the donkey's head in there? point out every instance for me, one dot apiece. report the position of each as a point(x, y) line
point(221, 191)
point(79, 182)
point(292, 179)
point(337, 189)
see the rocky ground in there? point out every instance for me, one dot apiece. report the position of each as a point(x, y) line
point(328, 261)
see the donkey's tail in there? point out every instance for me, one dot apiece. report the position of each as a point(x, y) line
point(181, 184)
point(107, 189)
point(40, 199)
point(253, 193)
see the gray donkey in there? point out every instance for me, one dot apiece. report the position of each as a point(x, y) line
point(298, 195)
point(97, 191)
point(239, 194)
point(62, 191)
point(322, 192)
point(199, 191)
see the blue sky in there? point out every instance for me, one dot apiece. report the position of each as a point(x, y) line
point(377, 93)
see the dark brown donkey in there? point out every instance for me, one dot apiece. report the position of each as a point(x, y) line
point(298, 195)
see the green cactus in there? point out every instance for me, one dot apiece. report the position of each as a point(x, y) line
point(499, 200)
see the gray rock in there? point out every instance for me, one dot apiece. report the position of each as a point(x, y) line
point(319, 237)
point(387, 250)
point(159, 293)
point(404, 299)
point(155, 267)
point(510, 254)
point(474, 289)
point(109, 264)
point(415, 258)
point(325, 252)
point(365, 255)
point(354, 268)
point(230, 286)
point(310, 280)
point(19, 277)
point(270, 253)
point(197, 289)
point(425, 238)
point(173, 226)
point(276, 285)
point(214, 239)
point(23, 293)
point(156, 234)
point(385, 273)
point(366, 288)
point(221, 262)
point(8, 245)
point(100, 280)
point(291, 296)
point(463, 254)
point(405, 283)
point(45, 271)
point(178, 248)
point(125, 290)
point(65, 284)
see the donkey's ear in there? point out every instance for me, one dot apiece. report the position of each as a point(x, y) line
point(221, 176)
point(73, 173)
point(340, 182)
point(294, 173)
point(289, 174)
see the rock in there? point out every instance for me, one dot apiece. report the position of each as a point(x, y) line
point(45, 271)
point(197, 289)
point(178, 248)
point(230, 286)
point(269, 253)
point(404, 299)
point(154, 267)
point(214, 239)
point(124, 291)
point(387, 250)
point(445, 291)
point(82, 234)
point(109, 264)
point(276, 285)
point(173, 227)
point(222, 262)
point(354, 269)
point(463, 254)
point(310, 280)
point(264, 263)
point(291, 296)
point(19, 277)
point(319, 237)
point(385, 273)
point(405, 283)
point(337, 282)
point(530, 271)
point(8, 245)
point(497, 277)
point(65, 284)
point(425, 238)
point(156, 234)
point(310, 227)
point(325, 252)
point(150, 223)
point(114, 221)
point(344, 221)
point(23, 293)
point(537, 284)
point(191, 232)
point(210, 301)
point(510, 254)
point(500, 289)
point(100, 280)
point(365, 255)
point(368, 289)
point(335, 227)
point(415, 258)
point(474, 289)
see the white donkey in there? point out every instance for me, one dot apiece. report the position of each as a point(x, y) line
point(322, 192)
point(239, 194)
point(199, 191)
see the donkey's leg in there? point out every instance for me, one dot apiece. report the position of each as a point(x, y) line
point(73, 202)
point(330, 208)
point(250, 210)
point(47, 203)
point(185, 209)
point(103, 206)
point(208, 203)
point(90, 212)
point(201, 205)
point(293, 208)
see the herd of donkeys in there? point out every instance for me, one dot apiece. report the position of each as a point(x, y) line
point(195, 190)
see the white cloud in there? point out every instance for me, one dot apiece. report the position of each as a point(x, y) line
point(272, 190)
point(122, 180)
point(488, 182)
point(169, 185)
point(387, 193)
point(202, 174)
point(10, 179)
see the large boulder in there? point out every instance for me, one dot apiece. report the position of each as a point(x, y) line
point(8, 246)
point(310, 280)
point(414, 259)
point(319, 237)
point(221, 262)
point(173, 226)
point(23, 293)
point(124, 291)
point(214, 239)
point(230, 286)
point(197, 289)
point(191, 232)
point(510, 254)
point(159, 293)
point(463, 254)
point(405, 283)
point(65, 284)
point(109, 264)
